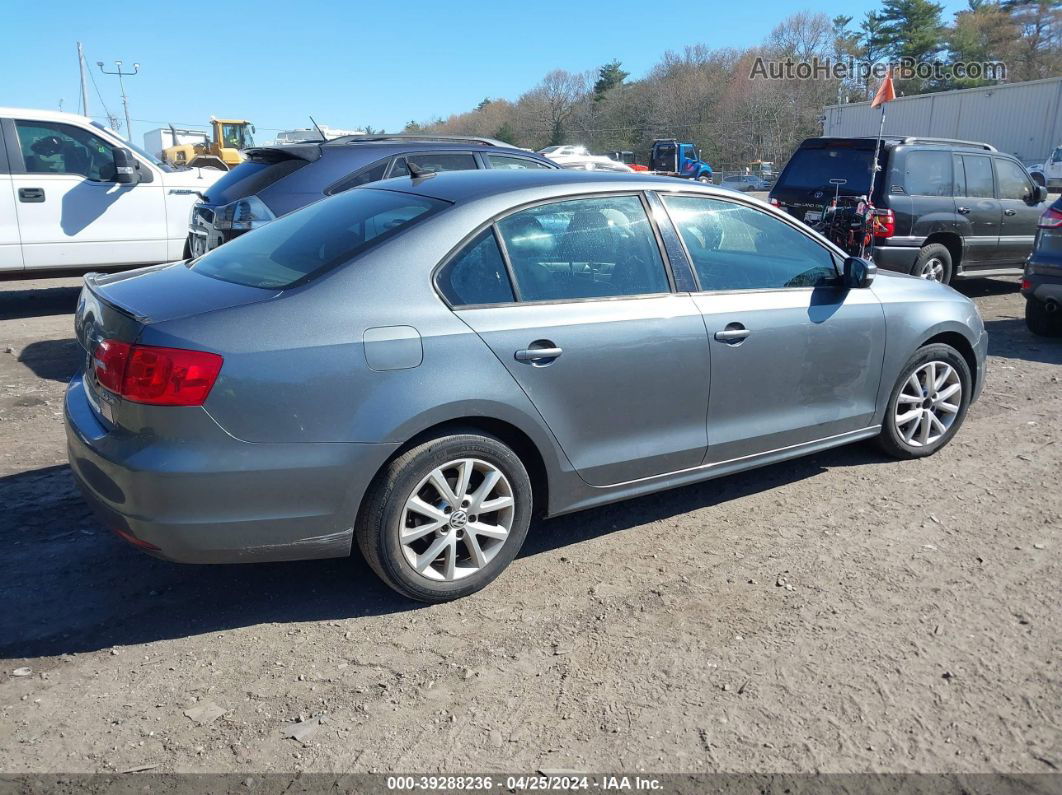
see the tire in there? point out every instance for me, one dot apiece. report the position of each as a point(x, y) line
point(933, 264)
point(1041, 322)
point(704, 180)
point(453, 572)
point(904, 440)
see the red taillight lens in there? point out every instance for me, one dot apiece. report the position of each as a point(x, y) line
point(883, 223)
point(158, 376)
point(774, 202)
point(1026, 284)
point(1051, 219)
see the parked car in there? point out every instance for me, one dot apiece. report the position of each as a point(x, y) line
point(419, 365)
point(278, 179)
point(1041, 283)
point(745, 183)
point(75, 195)
point(567, 150)
point(944, 209)
point(1049, 172)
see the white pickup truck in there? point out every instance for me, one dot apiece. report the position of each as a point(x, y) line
point(1049, 173)
point(75, 195)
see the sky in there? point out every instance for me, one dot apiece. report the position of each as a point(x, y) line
point(348, 63)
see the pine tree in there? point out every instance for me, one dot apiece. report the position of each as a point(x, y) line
point(609, 77)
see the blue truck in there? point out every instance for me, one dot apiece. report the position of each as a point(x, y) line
point(678, 159)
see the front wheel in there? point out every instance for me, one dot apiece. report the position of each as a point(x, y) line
point(928, 403)
point(704, 180)
point(446, 517)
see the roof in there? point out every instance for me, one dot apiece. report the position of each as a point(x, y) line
point(461, 186)
point(44, 115)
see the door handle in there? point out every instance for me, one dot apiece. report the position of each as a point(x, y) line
point(734, 332)
point(538, 354)
point(31, 195)
point(964, 210)
point(1010, 212)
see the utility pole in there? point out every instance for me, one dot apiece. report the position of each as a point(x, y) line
point(121, 85)
point(84, 83)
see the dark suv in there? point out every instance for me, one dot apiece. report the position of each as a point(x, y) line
point(274, 180)
point(944, 209)
point(1042, 283)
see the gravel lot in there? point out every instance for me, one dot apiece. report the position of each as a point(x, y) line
point(839, 613)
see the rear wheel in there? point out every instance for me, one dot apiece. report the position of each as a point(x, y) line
point(705, 180)
point(933, 264)
point(446, 517)
point(928, 403)
point(1041, 322)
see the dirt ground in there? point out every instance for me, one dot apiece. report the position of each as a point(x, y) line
point(839, 613)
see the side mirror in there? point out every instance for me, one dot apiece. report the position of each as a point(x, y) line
point(859, 272)
point(125, 171)
point(1040, 194)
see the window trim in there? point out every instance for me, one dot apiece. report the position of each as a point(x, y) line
point(785, 218)
point(493, 222)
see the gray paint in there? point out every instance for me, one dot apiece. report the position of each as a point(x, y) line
point(323, 383)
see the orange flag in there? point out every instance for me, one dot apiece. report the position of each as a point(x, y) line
point(886, 91)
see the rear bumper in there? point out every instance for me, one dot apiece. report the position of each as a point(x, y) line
point(219, 500)
point(1042, 287)
point(895, 258)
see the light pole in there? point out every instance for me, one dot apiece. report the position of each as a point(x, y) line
point(121, 85)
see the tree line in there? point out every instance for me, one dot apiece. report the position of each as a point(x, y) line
point(709, 95)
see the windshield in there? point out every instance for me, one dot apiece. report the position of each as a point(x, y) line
point(142, 152)
point(310, 241)
point(814, 168)
point(236, 136)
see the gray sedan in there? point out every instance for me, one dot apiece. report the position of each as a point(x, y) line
point(420, 366)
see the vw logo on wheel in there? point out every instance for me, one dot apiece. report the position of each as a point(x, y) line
point(458, 519)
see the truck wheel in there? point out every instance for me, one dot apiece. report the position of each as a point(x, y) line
point(705, 180)
point(933, 264)
point(1041, 322)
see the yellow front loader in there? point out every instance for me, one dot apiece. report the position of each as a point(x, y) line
point(230, 136)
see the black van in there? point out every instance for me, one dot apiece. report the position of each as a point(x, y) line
point(944, 209)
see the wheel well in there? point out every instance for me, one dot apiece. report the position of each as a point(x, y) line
point(950, 241)
point(517, 440)
point(962, 345)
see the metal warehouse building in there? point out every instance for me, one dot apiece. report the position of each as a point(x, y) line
point(1024, 119)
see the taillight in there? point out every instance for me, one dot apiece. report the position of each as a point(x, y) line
point(158, 376)
point(1051, 219)
point(774, 202)
point(883, 223)
point(1026, 284)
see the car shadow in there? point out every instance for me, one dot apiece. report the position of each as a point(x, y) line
point(38, 302)
point(54, 360)
point(1010, 338)
point(69, 586)
point(980, 288)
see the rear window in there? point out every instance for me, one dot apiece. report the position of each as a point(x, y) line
point(812, 169)
point(249, 178)
point(310, 241)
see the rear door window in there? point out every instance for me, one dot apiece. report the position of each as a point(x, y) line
point(510, 162)
point(297, 247)
point(477, 275)
point(584, 248)
point(434, 162)
point(927, 173)
point(372, 173)
point(978, 176)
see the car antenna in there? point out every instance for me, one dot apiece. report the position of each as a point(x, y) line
point(416, 172)
point(320, 132)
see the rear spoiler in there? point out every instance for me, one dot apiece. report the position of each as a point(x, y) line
point(276, 154)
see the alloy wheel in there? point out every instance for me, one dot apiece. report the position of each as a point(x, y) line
point(928, 404)
point(457, 519)
point(933, 270)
